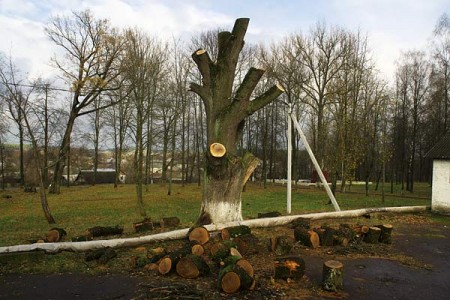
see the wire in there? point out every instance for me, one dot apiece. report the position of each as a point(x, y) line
point(32, 86)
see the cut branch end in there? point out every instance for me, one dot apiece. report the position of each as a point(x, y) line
point(217, 150)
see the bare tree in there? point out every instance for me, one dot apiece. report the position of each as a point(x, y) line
point(91, 61)
point(441, 67)
point(322, 56)
point(145, 59)
point(16, 95)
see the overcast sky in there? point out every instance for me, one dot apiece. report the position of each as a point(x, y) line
point(391, 25)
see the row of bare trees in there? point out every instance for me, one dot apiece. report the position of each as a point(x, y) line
point(124, 89)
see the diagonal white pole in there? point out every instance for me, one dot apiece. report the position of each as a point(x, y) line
point(316, 164)
point(289, 161)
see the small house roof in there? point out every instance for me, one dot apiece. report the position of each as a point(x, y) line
point(441, 150)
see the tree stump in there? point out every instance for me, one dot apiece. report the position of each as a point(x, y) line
point(325, 235)
point(289, 267)
point(192, 266)
point(307, 237)
point(386, 233)
point(333, 275)
point(281, 245)
point(373, 235)
point(235, 231)
point(199, 234)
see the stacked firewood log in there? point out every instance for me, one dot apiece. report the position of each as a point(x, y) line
point(203, 252)
point(343, 235)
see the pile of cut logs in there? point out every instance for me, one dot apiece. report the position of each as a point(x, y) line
point(203, 251)
point(315, 236)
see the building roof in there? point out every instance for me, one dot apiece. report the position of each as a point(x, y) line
point(441, 150)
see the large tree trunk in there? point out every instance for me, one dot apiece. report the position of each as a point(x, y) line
point(225, 175)
point(223, 183)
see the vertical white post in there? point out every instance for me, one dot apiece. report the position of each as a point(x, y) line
point(289, 160)
point(316, 164)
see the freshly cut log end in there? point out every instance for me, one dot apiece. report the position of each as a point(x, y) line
point(55, 235)
point(246, 266)
point(233, 278)
point(200, 52)
point(192, 266)
point(217, 150)
point(199, 234)
point(230, 283)
point(198, 250)
point(186, 268)
point(333, 275)
point(307, 237)
point(165, 266)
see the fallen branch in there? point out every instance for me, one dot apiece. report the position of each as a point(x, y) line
point(183, 233)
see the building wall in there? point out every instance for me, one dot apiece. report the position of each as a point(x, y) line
point(440, 200)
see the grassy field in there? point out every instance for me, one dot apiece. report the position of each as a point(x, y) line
point(80, 207)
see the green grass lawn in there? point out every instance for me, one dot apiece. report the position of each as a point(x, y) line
point(80, 207)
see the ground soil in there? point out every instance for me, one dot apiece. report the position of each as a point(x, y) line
point(415, 266)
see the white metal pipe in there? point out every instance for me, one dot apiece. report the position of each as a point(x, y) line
point(316, 164)
point(289, 161)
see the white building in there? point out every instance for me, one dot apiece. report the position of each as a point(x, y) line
point(440, 193)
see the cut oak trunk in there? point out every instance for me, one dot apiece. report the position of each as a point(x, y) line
point(226, 109)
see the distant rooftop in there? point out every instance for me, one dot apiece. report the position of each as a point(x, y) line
point(441, 149)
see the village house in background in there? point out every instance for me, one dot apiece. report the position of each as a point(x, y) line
point(440, 153)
